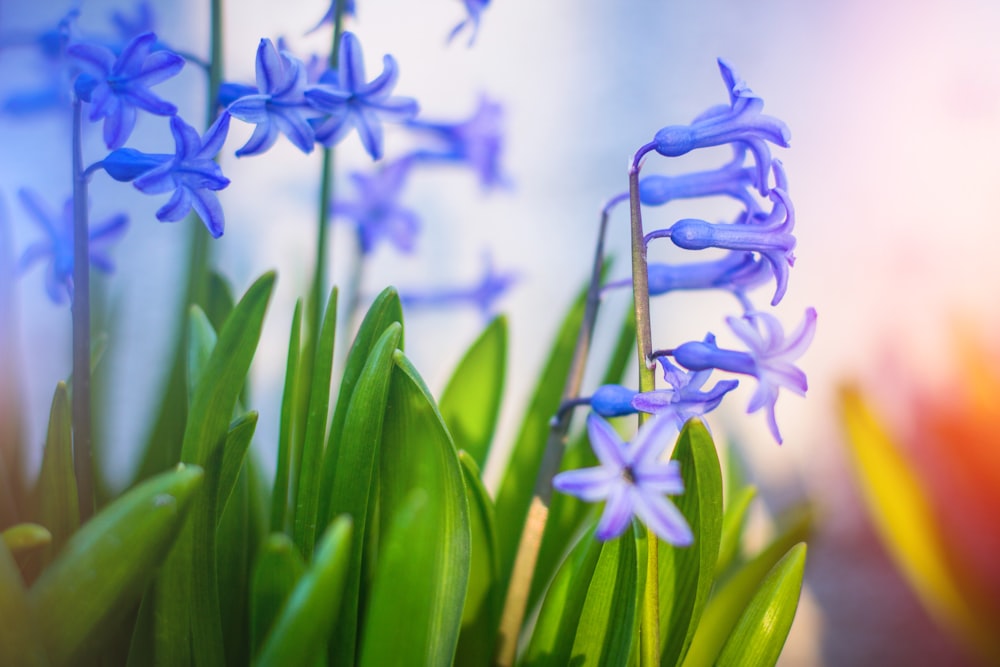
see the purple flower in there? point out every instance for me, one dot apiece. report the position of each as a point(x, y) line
point(731, 180)
point(277, 105)
point(769, 358)
point(477, 142)
point(116, 87)
point(376, 212)
point(129, 27)
point(483, 294)
point(473, 9)
point(57, 246)
point(772, 237)
point(684, 400)
point(741, 121)
point(349, 10)
point(191, 174)
point(632, 479)
point(350, 101)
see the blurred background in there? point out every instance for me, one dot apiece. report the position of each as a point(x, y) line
point(894, 109)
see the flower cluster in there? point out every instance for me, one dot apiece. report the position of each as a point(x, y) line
point(758, 247)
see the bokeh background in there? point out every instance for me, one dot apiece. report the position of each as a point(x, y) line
point(894, 108)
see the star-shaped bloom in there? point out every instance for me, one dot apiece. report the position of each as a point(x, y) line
point(349, 100)
point(769, 358)
point(277, 105)
point(473, 10)
point(740, 121)
point(190, 173)
point(116, 87)
point(632, 480)
point(476, 142)
point(57, 246)
point(376, 211)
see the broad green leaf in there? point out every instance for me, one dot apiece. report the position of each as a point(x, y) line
point(355, 479)
point(201, 341)
point(236, 542)
point(470, 404)
point(733, 520)
point(307, 488)
point(610, 616)
point(282, 474)
point(731, 597)
point(384, 311)
point(24, 538)
point(187, 589)
point(517, 487)
point(481, 615)
point(78, 598)
point(761, 631)
point(567, 513)
point(422, 575)
point(19, 643)
point(56, 496)
point(686, 573)
point(277, 569)
point(303, 626)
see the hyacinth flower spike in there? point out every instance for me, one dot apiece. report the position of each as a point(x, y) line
point(376, 211)
point(116, 87)
point(731, 180)
point(57, 247)
point(741, 121)
point(772, 238)
point(278, 106)
point(632, 480)
point(349, 101)
point(769, 358)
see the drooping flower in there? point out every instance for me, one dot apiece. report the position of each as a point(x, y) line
point(483, 294)
point(768, 359)
point(350, 101)
point(740, 121)
point(57, 246)
point(190, 173)
point(476, 142)
point(632, 480)
point(116, 87)
point(349, 10)
point(473, 10)
point(277, 105)
point(732, 180)
point(376, 212)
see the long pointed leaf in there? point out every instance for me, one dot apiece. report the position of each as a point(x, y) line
point(278, 568)
point(19, 643)
point(284, 467)
point(58, 508)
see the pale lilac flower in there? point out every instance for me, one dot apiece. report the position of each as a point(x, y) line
point(685, 399)
point(483, 294)
point(632, 479)
point(376, 211)
point(474, 10)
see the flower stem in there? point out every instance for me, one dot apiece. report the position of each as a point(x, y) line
point(649, 623)
point(82, 449)
point(516, 602)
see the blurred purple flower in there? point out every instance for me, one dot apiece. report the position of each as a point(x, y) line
point(116, 87)
point(57, 246)
point(632, 479)
point(483, 295)
point(349, 10)
point(473, 9)
point(376, 212)
point(350, 101)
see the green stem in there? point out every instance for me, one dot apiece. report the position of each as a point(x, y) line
point(649, 624)
point(82, 446)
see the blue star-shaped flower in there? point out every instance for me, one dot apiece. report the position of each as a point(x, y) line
point(277, 105)
point(769, 358)
point(473, 10)
point(191, 173)
point(349, 101)
point(376, 212)
point(632, 479)
point(116, 87)
point(57, 246)
point(328, 17)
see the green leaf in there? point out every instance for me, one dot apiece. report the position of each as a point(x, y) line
point(19, 643)
point(79, 599)
point(282, 474)
point(308, 488)
point(732, 596)
point(422, 575)
point(384, 311)
point(517, 487)
point(56, 496)
point(278, 568)
point(25, 537)
point(301, 630)
point(481, 614)
point(187, 591)
point(233, 455)
point(761, 631)
point(733, 520)
point(201, 341)
point(470, 403)
point(218, 301)
point(355, 467)
point(686, 573)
